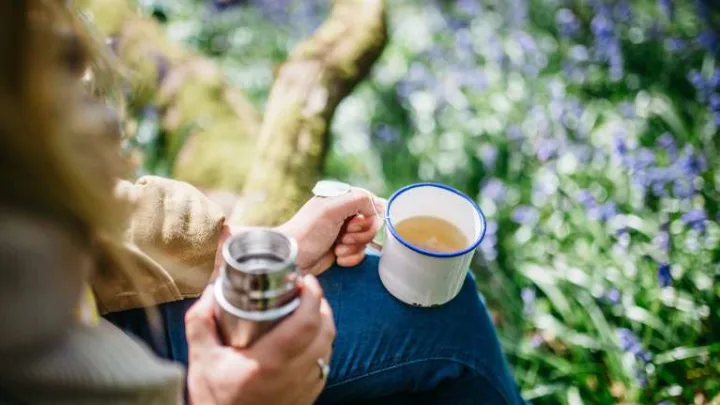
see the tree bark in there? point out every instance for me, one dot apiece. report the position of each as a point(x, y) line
point(211, 124)
point(276, 170)
point(293, 141)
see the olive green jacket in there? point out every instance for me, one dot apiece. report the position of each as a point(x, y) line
point(173, 235)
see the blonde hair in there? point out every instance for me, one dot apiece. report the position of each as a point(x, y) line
point(59, 144)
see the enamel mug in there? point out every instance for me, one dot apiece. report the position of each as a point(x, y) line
point(421, 277)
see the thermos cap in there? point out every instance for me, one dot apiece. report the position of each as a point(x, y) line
point(259, 273)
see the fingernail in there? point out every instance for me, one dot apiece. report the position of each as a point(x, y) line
point(348, 239)
point(354, 228)
point(341, 250)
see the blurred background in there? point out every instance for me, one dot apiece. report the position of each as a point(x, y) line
point(585, 129)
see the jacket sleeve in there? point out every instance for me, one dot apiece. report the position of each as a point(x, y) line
point(46, 356)
point(176, 226)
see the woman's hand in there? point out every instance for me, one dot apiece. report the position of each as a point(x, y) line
point(330, 229)
point(281, 368)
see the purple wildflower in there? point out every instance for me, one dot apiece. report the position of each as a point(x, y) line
point(612, 296)
point(568, 24)
point(667, 8)
point(696, 79)
point(525, 215)
point(387, 134)
point(665, 278)
point(528, 298)
point(667, 142)
point(695, 219)
point(493, 189)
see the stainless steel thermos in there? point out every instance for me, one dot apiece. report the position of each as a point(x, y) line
point(257, 286)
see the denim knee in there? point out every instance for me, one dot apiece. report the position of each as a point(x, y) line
point(385, 346)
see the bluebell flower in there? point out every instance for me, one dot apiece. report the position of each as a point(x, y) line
point(663, 240)
point(491, 228)
point(536, 340)
point(714, 80)
point(387, 133)
point(643, 159)
point(463, 39)
point(622, 11)
point(525, 215)
point(627, 109)
point(659, 189)
point(468, 7)
point(709, 40)
point(691, 163)
point(547, 149)
point(674, 45)
point(578, 53)
point(488, 154)
point(518, 12)
point(602, 26)
point(457, 23)
point(473, 78)
point(607, 211)
point(629, 343)
point(619, 146)
point(667, 142)
point(714, 101)
point(567, 22)
point(222, 5)
point(695, 219)
point(612, 295)
point(696, 79)
point(665, 278)
point(528, 298)
point(585, 198)
point(667, 8)
point(683, 188)
point(277, 11)
point(493, 189)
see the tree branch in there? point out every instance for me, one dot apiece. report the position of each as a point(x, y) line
point(320, 72)
point(211, 124)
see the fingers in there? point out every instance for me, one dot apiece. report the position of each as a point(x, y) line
point(360, 231)
point(320, 349)
point(357, 201)
point(348, 250)
point(359, 223)
point(363, 236)
point(294, 334)
point(200, 326)
point(351, 260)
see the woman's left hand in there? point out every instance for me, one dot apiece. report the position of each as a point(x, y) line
point(330, 229)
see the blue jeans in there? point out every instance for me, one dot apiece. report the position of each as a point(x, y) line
point(386, 352)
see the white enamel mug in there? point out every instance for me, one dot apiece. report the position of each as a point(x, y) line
point(417, 276)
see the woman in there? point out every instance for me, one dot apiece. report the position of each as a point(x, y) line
point(64, 232)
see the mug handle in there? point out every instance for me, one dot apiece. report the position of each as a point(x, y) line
point(376, 245)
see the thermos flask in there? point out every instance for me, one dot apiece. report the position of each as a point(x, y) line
point(257, 286)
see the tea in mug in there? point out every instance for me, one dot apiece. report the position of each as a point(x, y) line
point(431, 233)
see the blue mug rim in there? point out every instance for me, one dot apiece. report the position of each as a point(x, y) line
point(425, 252)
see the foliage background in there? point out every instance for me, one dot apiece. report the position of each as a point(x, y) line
point(587, 131)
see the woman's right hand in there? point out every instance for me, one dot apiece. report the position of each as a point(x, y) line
point(281, 368)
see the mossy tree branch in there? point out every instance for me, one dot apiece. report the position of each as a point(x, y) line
point(211, 123)
point(276, 170)
point(319, 73)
